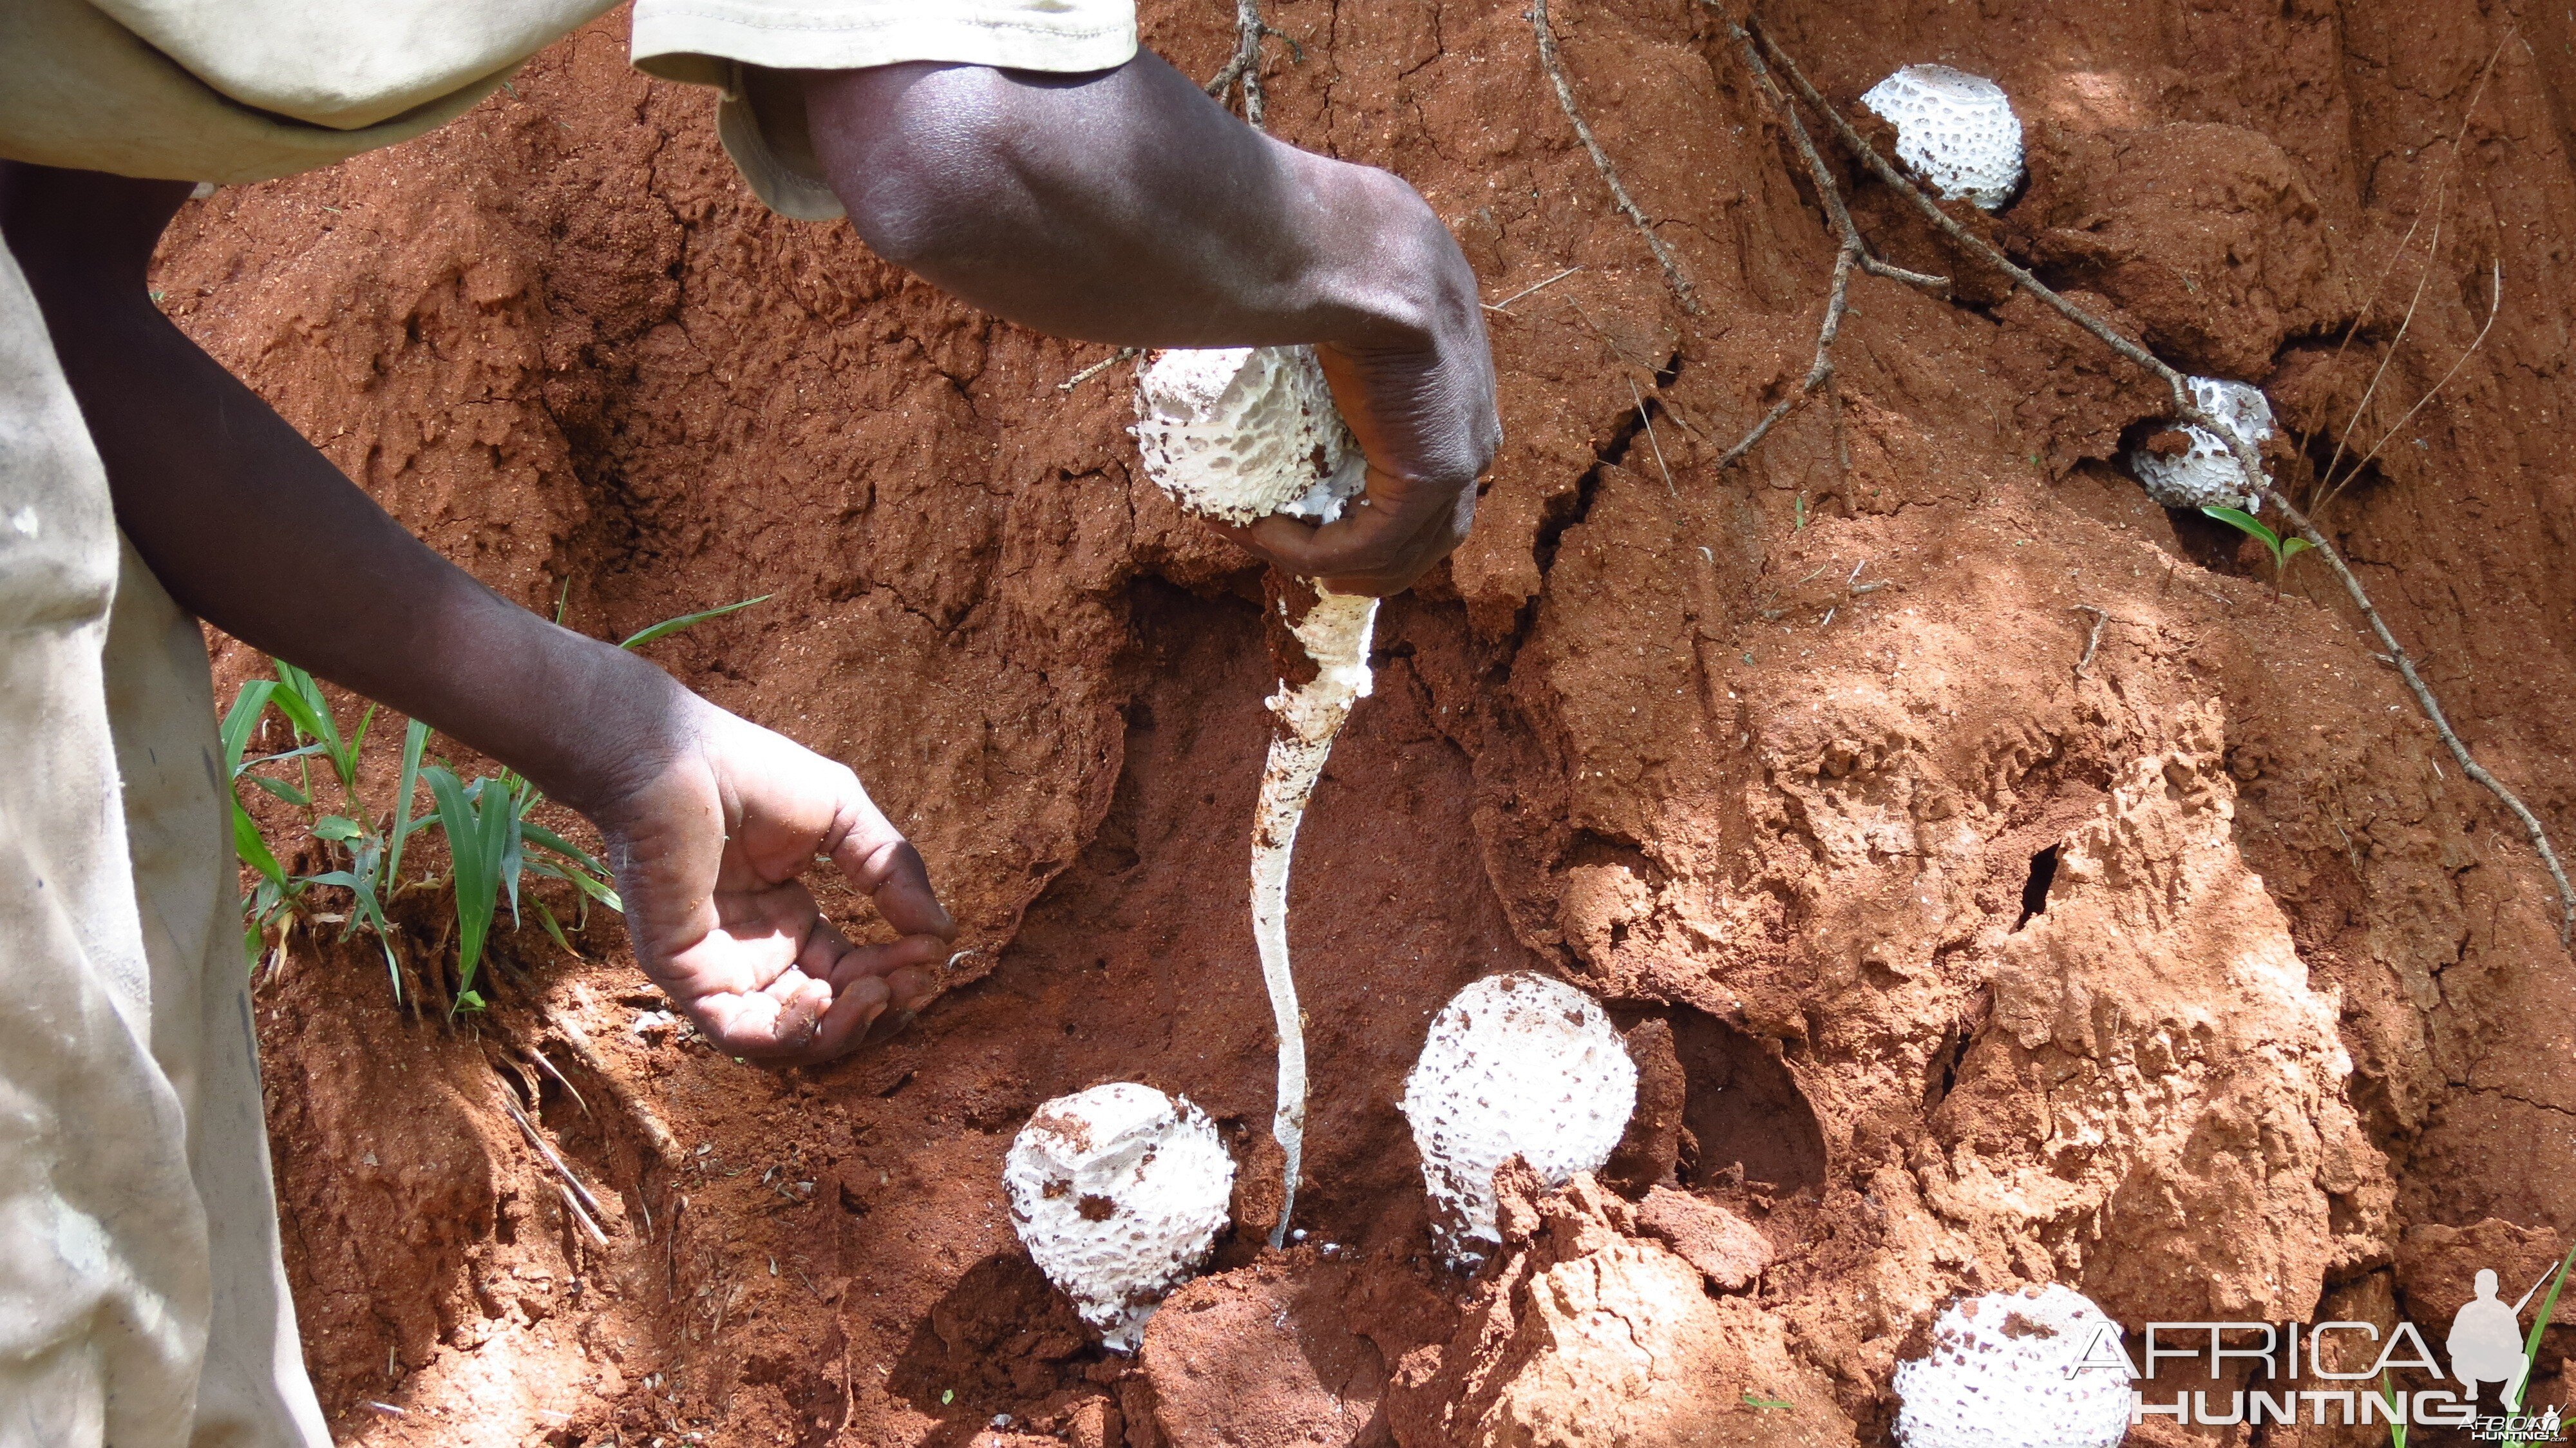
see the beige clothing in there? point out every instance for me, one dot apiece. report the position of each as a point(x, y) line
point(142, 1298)
point(728, 44)
point(245, 90)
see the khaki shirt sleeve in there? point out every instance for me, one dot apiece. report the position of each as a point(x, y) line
point(735, 45)
point(245, 90)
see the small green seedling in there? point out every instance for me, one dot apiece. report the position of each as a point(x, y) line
point(2396, 1422)
point(2531, 1344)
point(670, 626)
point(1756, 1400)
point(2282, 549)
point(486, 820)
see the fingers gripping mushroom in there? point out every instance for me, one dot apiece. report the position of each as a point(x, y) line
point(1239, 434)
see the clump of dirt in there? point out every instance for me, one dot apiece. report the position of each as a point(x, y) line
point(1999, 879)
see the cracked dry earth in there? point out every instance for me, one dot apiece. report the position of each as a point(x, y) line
point(1961, 945)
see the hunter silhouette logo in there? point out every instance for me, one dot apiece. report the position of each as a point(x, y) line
point(2486, 1340)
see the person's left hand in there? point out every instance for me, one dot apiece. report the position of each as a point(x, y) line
point(707, 845)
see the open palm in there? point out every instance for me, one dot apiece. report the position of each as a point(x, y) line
point(708, 846)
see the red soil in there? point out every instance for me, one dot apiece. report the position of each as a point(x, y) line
point(1763, 757)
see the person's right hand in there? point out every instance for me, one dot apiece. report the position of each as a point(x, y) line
point(1423, 410)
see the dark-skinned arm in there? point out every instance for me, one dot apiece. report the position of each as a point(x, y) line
point(709, 819)
point(1126, 207)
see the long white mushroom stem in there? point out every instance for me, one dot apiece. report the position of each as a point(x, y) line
point(1335, 634)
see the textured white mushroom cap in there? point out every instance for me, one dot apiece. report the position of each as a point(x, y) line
point(1240, 433)
point(1956, 130)
point(1119, 1193)
point(1517, 1065)
point(2208, 475)
point(2001, 1374)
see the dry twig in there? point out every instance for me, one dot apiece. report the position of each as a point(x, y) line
point(1096, 368)
point(1554, 65)
point(1850, 252)
point(1648, 419)
point(1244, 66)
point(2092, 640)
point(2244, 452)
point(1533, 287)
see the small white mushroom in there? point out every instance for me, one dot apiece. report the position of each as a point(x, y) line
point(1240, 433)
point(2207, 474)
point(2002, 1374)
point(1516, 1065)
point(1957, 131)
point(1119, 1193)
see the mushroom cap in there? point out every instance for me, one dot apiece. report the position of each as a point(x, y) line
point(1516, 1065)
point(1956, 130)
point(2208, 475)
point(1119, 1193)
point(1240, 433)
point(2001, 1374)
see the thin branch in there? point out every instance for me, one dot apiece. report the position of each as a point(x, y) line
point(2246, 457)
point(2495, 306)
point(1649, 420)
point(2432, 708)
point(1244, 66)
point(1528, 290)
point(2441, 206)
point(1096, 368)
point(1818, 372)
point(2387, 359)
point(1852, 252)
point(1555, 67)
point(1950, 227)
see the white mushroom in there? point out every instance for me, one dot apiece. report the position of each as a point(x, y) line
point(1516, 1065)
point(2002, 1374)
point(2207, 475)
point(1239, 434)
point(1956, 130)
point(1119, 1193)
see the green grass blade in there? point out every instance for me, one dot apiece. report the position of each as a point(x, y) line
point(2396, 1429)
point(358, 740)
point(477, 872)
point(597, 889)
point(2246, 523)
point(241, 719)
point(281, 789)
point(301, 699)
point(554, 929)
point(514, 851)
point(670, 626)
point(546, 839)
point(254, 850)
point(415, 740)
point(2539, 1325)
